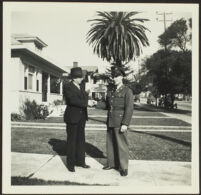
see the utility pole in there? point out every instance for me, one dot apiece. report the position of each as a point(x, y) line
point(164, 20)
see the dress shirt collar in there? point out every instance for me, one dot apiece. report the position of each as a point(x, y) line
point(78, 86)
point(119, 87)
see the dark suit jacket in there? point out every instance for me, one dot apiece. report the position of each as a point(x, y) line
point(120, 107)
point(77, 101)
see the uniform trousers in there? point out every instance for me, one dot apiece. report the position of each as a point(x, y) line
point(76, 143)
point(117, 148)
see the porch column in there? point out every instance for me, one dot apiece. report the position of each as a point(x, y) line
point(61, 88)
point(48, 87)
point(34, 80)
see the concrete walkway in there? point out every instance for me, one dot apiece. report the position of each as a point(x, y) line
point(149, 173)
point(182, 117)
point(101, 127)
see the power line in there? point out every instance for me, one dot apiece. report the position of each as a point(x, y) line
point(164, 20)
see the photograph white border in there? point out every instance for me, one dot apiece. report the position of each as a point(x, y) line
point(8, 8)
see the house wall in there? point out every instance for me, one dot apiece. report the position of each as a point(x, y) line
point(23, 95)
point(54, 96)
point(37, 75)
point(19, 69)
point(14, 84)
point(31, 94)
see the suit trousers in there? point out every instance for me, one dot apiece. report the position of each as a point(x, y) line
point(76, 143)
point(117, 148)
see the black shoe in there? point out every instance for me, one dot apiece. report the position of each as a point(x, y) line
point(85, 166)
point(124, 172)
point(108, 168)
point(71, 169)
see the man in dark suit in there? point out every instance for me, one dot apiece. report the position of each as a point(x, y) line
point(75, 117)
point(120, 109)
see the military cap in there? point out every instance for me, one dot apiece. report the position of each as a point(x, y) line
point(117, 71)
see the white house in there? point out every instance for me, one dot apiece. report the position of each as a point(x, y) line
point(34, 76)
point(97, 88)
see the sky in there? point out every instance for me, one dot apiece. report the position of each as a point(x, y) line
point(64, 27)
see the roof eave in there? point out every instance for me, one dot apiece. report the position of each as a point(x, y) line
point(41, 58)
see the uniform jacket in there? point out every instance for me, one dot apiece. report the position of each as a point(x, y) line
point(77, 101)
point(120, 106)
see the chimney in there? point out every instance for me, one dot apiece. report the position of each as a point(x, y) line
point(75, 64)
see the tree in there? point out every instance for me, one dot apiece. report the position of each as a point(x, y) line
point(117, 37)
point(178, 77)
point(176, 35)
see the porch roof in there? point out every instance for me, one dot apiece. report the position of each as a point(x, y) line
point(39, 57)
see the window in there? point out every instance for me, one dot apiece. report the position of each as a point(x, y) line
point(29, 75)
point(30, 81)
point(37, 85)
point(25, 83)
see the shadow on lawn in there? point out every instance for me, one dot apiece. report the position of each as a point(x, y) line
point(93, 119)
point(141, 108)
point(59, 146)
point(185, 143)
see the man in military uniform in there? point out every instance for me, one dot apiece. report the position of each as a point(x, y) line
point(75, 117)
point(120, 109)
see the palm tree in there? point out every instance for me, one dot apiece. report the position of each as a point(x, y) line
point(117, 36)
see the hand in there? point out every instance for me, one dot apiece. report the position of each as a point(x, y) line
point(123, 128)
point(88, 91)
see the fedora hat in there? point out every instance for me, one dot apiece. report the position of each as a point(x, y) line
point(117, 71)
point(76, 72)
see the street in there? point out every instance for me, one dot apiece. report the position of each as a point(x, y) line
point(184, 105)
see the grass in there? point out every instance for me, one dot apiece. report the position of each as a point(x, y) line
point(161, 109)
point(31, 181)
point(148, 121)
point(173, 146)
point(97, 111)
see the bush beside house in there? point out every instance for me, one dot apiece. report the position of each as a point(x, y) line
point(31, 110)
point(16, 117)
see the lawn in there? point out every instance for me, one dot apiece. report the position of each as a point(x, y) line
point(138, 111)
point(174, 146)
point(161, 109)
point(142, 121)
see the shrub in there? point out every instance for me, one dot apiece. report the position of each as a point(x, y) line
point(34, 111)
point(16, 117)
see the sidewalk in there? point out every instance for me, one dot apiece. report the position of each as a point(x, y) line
point(150, 173)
